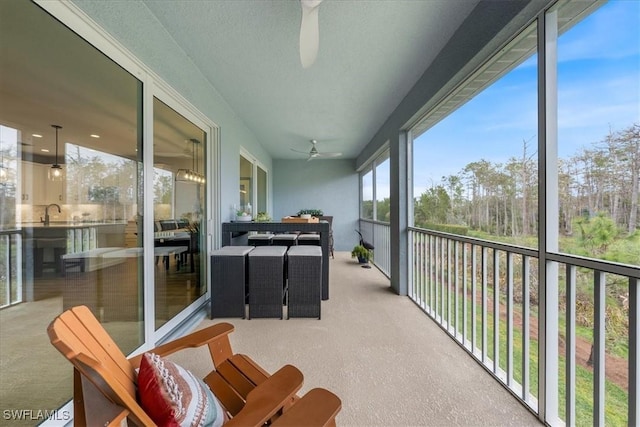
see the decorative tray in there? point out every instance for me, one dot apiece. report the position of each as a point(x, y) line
point(299, 220)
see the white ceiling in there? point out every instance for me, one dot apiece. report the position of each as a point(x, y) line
point(371, 53)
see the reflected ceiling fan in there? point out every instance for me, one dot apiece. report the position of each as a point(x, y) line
point(315, 154)
point(309, 32)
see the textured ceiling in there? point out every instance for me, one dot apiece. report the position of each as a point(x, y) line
point(371, 53)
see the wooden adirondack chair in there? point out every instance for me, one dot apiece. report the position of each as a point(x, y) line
point(105, 384)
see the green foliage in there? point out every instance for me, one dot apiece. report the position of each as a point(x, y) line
point(383, 209)
point(460, 230)
point(361, 252)
point(263, 217)
point(432, 206)
point(367, 209)
point(595, 234)
point(312, 212)
point(626, 251)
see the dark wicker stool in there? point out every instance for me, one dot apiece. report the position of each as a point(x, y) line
point(305, 281)
point(309, 239)
point(266, 281)
point(260, 240)
point(287, 240)
point(228, 281)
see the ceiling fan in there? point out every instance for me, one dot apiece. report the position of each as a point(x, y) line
point(309, 32)
point(315, 154)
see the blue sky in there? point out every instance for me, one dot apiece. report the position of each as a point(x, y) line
point(598, 89)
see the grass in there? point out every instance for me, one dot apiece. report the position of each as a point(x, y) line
point(616, 398)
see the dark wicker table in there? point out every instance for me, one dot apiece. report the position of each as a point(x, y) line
point(322, 227)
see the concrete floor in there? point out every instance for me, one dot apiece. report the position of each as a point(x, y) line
point(386, 360)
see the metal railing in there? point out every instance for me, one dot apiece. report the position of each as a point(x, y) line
point(10, 260)
point(485, 296)
point(379, 235)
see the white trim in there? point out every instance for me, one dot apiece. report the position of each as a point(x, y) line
point(367, 163)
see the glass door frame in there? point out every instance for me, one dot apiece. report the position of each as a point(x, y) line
point(153, 86)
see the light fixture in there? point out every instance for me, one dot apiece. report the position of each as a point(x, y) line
point(55, 171)
point(192, 175)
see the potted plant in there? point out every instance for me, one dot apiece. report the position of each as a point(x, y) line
point(363, 254)
point(243, 215)
point(308, 213)
point(263, 217)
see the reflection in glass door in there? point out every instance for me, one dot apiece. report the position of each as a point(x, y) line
point(178, 212)
point(72, 239)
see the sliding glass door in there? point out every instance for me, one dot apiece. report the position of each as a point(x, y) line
point(178, 212)
point(78, 200)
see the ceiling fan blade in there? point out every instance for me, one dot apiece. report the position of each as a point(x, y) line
point(329, 154)
point(309, 32)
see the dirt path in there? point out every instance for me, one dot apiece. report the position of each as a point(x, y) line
point(616, 368)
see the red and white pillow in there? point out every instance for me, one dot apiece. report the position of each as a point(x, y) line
point(172, 396)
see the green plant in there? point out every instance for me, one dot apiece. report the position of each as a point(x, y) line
point(263, 217)
point(312, 212)
point(362, 253)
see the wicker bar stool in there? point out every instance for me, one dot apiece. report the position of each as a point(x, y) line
point(260, 239)
point(228, 281)
point(304, 265)
point(266, 281)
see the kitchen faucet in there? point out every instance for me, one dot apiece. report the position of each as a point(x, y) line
point(46, 213)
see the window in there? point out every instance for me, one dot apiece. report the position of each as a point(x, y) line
point(475, 154)
point(599, 131)
point(261, 204)
point(382, 188)
point(253, 185)
point(246, 185)
point(366, 205)
point(375, 187)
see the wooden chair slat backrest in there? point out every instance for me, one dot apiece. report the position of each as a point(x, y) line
point(87, 336)
point(80, 338)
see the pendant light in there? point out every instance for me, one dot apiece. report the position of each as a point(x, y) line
point(191, 175)
point(55, 171)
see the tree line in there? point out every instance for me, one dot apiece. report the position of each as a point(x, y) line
point(602, 180)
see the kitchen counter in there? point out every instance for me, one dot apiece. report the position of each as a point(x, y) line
point(72, 237)
point(66, 224)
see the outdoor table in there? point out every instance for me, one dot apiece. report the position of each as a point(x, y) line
point(321, 227)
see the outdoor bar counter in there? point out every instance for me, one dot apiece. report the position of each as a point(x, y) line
point(322, 227)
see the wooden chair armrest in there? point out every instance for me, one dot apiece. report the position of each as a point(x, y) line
point(269, 397)
point(317, 408)
point(195, 339)
point(119, 420)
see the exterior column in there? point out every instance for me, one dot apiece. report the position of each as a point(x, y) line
point(399, 183)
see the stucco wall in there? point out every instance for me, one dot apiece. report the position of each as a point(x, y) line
point(330, 185)
point(137, 29)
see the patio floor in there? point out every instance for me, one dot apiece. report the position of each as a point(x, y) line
point(389, 364)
